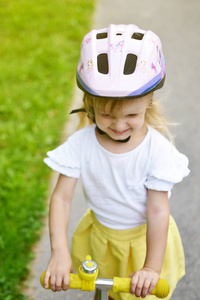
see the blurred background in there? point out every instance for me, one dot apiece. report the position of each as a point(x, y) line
point(40, 44)
point(39, 49)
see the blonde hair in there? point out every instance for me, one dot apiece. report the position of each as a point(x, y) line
point(154, 117)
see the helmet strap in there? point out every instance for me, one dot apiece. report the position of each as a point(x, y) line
point(98, 129)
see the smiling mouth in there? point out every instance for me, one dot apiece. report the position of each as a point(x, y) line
point(119, 132)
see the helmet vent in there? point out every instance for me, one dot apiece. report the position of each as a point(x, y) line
point(102, 35)
point(118, 33)
point(102, 63)
point(137, 36)
point(130, 64)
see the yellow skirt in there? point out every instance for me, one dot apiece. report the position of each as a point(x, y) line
point(121, 252)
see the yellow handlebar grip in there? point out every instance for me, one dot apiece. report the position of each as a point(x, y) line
point(123, 285)
point(162, 289)
point(75, 281)
point(42, 280)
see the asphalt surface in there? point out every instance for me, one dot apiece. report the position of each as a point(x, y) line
point(177, 23)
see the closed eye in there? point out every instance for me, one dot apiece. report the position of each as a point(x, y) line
point(132, 115)
point(105, 115)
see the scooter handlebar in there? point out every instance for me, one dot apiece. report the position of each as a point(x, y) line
point(75, 281)
point(123, 285)
point(119, 285)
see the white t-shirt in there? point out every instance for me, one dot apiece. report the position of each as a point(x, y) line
point(115, 185)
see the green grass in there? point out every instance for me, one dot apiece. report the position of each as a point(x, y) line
point(40, 42)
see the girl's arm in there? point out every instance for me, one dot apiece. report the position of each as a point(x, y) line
point(60, 264)
point(144, 281)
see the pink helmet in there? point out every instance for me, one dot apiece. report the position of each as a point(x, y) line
point(121, 61)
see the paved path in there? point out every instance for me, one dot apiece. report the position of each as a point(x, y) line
point(178, 25)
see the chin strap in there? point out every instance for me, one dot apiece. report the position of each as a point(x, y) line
point(74, 111)
point(98, 129)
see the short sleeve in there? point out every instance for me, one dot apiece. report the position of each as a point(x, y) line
point(167, 168)
point(65, 159)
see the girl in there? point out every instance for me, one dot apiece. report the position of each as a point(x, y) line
point(127, 166)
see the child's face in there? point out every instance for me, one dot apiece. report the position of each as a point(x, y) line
point(121, 123)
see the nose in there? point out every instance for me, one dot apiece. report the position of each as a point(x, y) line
point(119, 124)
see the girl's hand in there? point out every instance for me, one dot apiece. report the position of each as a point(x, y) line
point(143, 282)
point(58, 271)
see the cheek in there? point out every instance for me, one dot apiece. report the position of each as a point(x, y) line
point(138, 123)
